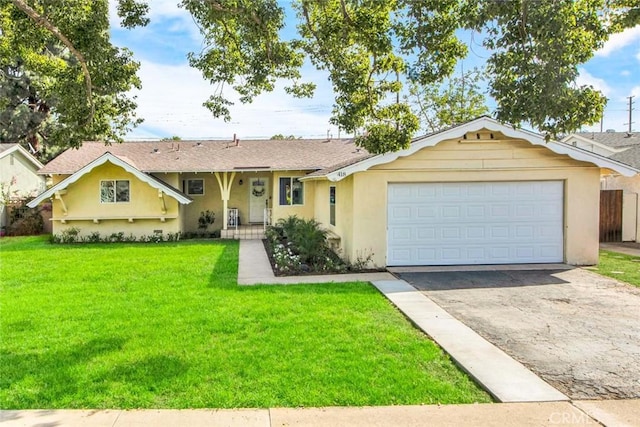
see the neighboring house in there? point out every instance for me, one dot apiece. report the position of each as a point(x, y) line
point(477, 193)
point(623, 147)
point(19, 178)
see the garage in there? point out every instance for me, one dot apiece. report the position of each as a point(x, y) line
point(458, 223)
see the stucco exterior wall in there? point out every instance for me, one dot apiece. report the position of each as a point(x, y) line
point(142, 215)
point(613, 181)
point(18, 177)
point(306, 210)
point(498, 160)
point(212, 197)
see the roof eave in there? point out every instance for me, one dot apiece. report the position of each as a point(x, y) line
point(475, 125)
point(108, 157)
point(35, 162)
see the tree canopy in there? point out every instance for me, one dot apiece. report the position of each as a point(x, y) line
point(71, 82)
point(374, 49)
point(458, 100)
point(61, 79)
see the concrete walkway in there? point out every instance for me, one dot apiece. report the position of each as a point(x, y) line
point(623, 248)
point(502, 376)
point(497, 371)
point(254, 268)
point(617, 413)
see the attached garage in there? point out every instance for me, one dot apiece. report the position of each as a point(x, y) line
point(459, 223)
point(478, 193)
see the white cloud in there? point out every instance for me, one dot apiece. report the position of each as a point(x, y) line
point(625, 73)
point(584, 78)
point(635, 91)
point(171, 104)
point(620, 40)
point(160, 11)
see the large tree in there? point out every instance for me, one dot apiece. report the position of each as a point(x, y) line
point(62, 80)
point(371, 49)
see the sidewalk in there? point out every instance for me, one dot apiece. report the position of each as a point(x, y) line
point(623, 248)
point(611, 413)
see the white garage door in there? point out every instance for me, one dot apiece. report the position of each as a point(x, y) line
point(475, 223)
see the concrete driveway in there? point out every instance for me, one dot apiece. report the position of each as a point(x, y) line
point(577, 330)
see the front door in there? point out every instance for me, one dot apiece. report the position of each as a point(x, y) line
point(258, 198)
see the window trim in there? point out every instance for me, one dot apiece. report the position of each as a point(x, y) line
point(115, 193)
point(290, 178)
point(187, 181)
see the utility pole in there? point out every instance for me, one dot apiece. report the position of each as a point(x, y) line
point(630, 112)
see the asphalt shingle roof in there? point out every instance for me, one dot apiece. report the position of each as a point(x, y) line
point(629, 142)
point(208, 156)
point(612, 139)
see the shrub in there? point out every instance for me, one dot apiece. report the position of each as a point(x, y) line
point(206, 219)
point(24, 221)
point(298, 245)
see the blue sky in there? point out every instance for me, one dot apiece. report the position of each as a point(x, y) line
point(172, 93)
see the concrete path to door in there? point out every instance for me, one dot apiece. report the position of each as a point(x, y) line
point(577, 330)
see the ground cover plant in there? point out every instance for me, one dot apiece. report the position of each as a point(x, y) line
point(300, 246)
point(132, 325)
point(619, 266)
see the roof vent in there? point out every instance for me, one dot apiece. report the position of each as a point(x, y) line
point(629, 135)
point(198, 144)
point(155, 150)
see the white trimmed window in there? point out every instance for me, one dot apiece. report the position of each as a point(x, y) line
point(291, 191)
point(114, 191)
point(195, 187)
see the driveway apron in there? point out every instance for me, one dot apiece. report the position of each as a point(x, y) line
point(577, 330)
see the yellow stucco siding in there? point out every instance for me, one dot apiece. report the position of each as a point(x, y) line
point(212, 197)
point(306, 210)
point(140, 216)
point(137, 228)
point(451, 161)
point(210, 200)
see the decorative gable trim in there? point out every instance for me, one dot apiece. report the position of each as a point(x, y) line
point(475, 126)
point(108, 157)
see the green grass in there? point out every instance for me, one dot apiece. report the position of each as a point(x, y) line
point(622, 267)
point(166, 326)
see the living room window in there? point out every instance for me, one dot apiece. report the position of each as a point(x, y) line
point(195, 187)
point(114, 191)
point(291, 191)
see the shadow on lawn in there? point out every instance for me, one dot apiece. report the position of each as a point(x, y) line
point(54, 378)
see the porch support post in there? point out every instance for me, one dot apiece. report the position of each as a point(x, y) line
point(225, 182)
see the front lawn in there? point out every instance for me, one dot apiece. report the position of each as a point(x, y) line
point(165, 326)
point(622, 267)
